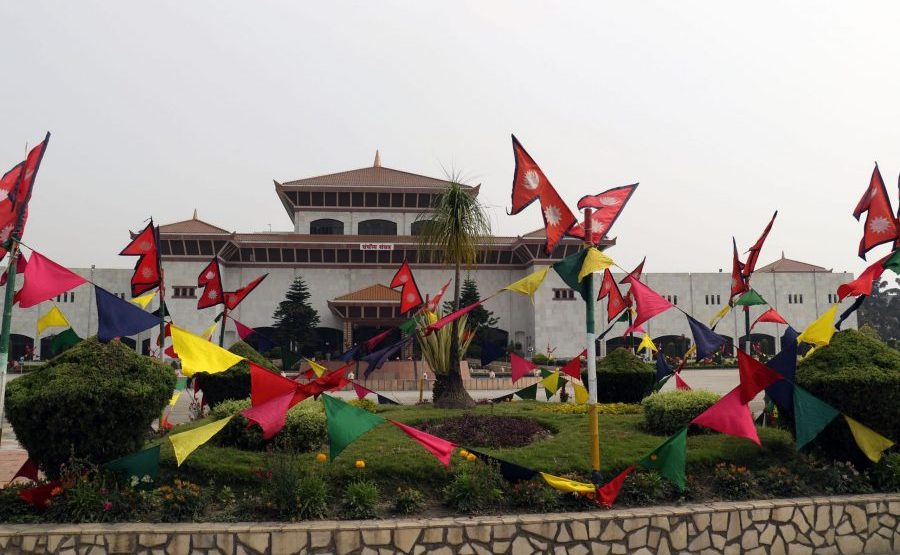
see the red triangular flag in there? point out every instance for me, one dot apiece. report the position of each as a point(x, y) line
point(881, 227)
point(607, 494)
point(234, 298)
point(649, 303)
point(440, 448)
point(755, 376)
point(372, 343)
point(434, 302)
point(143, 243)
point(165, 425)
point(863, 284)
point(770, 315)
point(558, 219)
point(608, 206)
point(520, 366)
point(403, 275)
point(453, 316)
point(210, 279)
point(27, 470)
point(243, 331)
point(45, 279)
point(39, 497)
point(756, 249)
point(270, 415)
point(729, 416)
point(681, 384)
point(615, 304)
point(738, 283)
point(573, 367)
point(266, 385)
point(360, 390)
point(606, 285)
point(636, 273)
point(410, 297)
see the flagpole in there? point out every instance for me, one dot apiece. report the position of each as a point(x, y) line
point(590, 339)
point(747, 329)
point(162, 313)
point(224, 321)
point(7, 321)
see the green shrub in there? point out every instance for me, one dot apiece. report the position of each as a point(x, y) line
point(533, 496)
point(360, 499)
point(838, 478)
point(475, 487)
point(540, 358)
point(233, 383)
point(408, 500)
point(623, 378)
point(364, 404)
point(733, 482)
point(779, 481)
point(312, 497)
point(860, 376)
point(645, 487)
point(667, 412)
point(304, 428)
point(886, 474)
point(95, 402)
point(281, 483)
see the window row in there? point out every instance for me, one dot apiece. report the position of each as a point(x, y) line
point(672, 299)
point(184, 292)
point(67, 297)
point(361, 200)
point(354, 255)
point(795, 298)
point(713, 299)
point(329, 226)
point(190, 247)
point(563, 294)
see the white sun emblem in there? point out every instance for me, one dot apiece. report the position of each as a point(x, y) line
point(879, 225)
point(5, 233)
point(552, 215)
point(212, 294)
point(410, 297)
point(147, 272)
point(210, 274)
point(144, 246)
point(404, 278)
point(4, 194)
point(532, 179)
point(609, 201)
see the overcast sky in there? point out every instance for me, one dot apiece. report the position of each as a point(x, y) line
point(724, 112)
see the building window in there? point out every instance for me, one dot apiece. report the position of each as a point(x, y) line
point(672, 299)
point(713, 299)
point(563, 294)
point(418, 227)
point(67, 297)
point(184, 292)
point(795, 298)
point(832, 298)
point(326, 226)
point(377, 227)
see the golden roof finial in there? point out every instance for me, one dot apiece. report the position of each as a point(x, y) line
point(377, 163)
point(195, 214)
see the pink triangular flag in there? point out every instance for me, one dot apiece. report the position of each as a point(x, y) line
point(649, 303)
point(681, 384)
point(266, 385)
point(45, 279)
point(440, 448)
point(361, 391)
point(730, 416)
point(243, 331)
point(520, 366)
point(270, 415)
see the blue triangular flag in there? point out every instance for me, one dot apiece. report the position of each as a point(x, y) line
point(350, 354)
point(785, 363)
point(377, 359)
point(119, 318)
point(790, 337)
point(490, 352)
point(382, 400)
point(853, 308)
point(662, 367)
point(707, 341)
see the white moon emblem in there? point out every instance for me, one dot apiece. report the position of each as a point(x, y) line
point(609, 201)
point(532, 179)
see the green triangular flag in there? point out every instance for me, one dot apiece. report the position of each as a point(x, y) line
point(568, 269)
point(529, 392)
point(409, 326)
point(545, 373)
point(345, 424)
point(893, 263)
point(63, 341)
point(750, 298)
point(138, 465)
point(811, 415)
point(668, 459)
point(624, 316)
point(662, 382)
point(288, 359)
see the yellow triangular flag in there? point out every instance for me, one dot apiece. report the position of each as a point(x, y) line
point(564, 484)
point(529, 284)
point(807, 355)
point(594, 261)
point(174, 398)
point(317, 368)
point(187, 442)
point(581, 393)
point(208, 332)
point(144, 299)
point(551, 382)
point(719, 315)
point(199, 355)
point(819, 332)
point(53, 319)
point(647, 343)
point(871, 442)
point(690, 352)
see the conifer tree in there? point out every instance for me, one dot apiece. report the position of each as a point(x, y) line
point(480, 318)
point(295, 320)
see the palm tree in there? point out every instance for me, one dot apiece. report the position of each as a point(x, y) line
point(454, 232)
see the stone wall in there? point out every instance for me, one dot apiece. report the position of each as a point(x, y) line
point(837, 525)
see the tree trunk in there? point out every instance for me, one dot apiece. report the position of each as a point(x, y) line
point(449, 392)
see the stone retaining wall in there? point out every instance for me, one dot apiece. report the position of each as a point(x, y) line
point(840, 525)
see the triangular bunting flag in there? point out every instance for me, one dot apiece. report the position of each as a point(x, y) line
point(490, 352)
point(529, 392)
point(871, 442)
point(434, 302)
point(738, 281)
point(565, 484)
point(811, 415)
point(53, 319)
point(581, 393)
point(573, 367)
point(266, 385)
point(64, 340)
point(39, 497)
point(144, 299)
point(137, 465)
point(210, 280)
point(594, 261)
point(568, 269)
point(375, 341)
point(511, 472)
point(819, 332)
point(607, 494)
point(669, 458)
point(662, 367)
point(27, 470)
point(757, 248)
point(382, 400)
point(706, 340)
point(551, 384)
point(719, 315)
point(754, 376)
point(863, 284)
point(199, 355)
point(234, 298)
point(270, 415)
point(529, 284)
point(454, 315)
point(750, 298)
point(345, 424)
point(681, 384)
point(520, 367)
point(361, 391)
point(649, 303)
point(729, 416)
point(440, 448)
point(609, 205)
point(185, 443)
point(785, 363)
point(770, 315)
point(893, 261)
point(316, 367)
point(119, 318)
point(45, 279)
point(377, 359)
point(647, 343)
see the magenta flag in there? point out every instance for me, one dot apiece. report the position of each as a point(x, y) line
point(270, 415)
point(453, 316)
point(45, 279)
point(520, 366)
point(649, 303)
point(729, 416)
point(360, 390)
point(440, 448)
point(243, 331)
point(681, 384)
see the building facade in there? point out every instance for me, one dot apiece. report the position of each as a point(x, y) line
point(352, 230)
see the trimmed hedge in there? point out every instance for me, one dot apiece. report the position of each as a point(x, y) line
point(95, 401)
point(304, 428)
point(666, 413)
point(860, 376)
point(233, 383)
point(622, 378)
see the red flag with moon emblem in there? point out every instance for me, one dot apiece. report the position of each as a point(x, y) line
point(738, 283)
point(754, 251)
point(234, 298)
point(608, 206)
point(147, 271)
point(16, 187)
point(210, 279)
point(881, 227)
point(410, 297)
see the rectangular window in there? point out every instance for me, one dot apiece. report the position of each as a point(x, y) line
point(287, 255)
point(177, 247)
point(304, 198)
point(718, 300)
point(206, 248)
point(330, 199)
point(371, 200)
point(344, 199)
point(184, 292)
point(71, 296)
point(384, 200)
point(317, 198)
point(563, 294)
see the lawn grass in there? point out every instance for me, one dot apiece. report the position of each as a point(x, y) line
point(392, 459)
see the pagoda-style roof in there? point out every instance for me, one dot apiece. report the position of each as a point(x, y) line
point(372, 177)
point(193, 225)
point(788, 265)
point(377, 293)
point(375, 304)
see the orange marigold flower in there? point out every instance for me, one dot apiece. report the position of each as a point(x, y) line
point(360, 463)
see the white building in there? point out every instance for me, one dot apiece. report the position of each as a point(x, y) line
point(351, 231)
